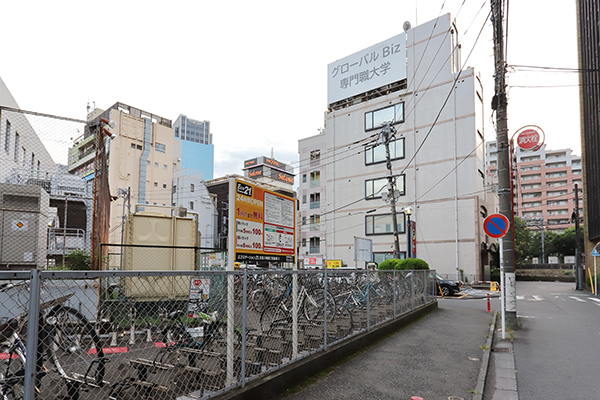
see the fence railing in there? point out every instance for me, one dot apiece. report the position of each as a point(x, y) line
point(182, 334)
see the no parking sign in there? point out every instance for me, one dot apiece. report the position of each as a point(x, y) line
point(496, 225)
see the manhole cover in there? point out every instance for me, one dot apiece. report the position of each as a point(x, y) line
point(501, 350)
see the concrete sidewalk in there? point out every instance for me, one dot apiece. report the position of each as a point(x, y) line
point(442, 356)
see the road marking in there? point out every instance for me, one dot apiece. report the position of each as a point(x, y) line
point(538, 298)
point(520, 297)
point(594, 299)
point(578, 299)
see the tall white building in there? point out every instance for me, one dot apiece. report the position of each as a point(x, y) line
point(413, 81)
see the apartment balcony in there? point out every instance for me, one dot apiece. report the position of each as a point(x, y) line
point(315, 204)
point(315, 249)
point(315, 183)
point(315, 226)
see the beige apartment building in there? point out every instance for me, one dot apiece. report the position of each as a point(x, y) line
point(544, 192)
point(140, 160)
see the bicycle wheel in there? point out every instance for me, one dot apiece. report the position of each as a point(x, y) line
point(343, 321)
point(314, 306)
point(12, 374)
point(272, 317)
point(74, 345)
point(260, 299)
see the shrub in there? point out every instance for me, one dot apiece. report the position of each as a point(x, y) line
point(389, 264)
point(78, 260)
point(406, 264)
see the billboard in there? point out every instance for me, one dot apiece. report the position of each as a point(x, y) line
point(264, 224)
point(368, 69)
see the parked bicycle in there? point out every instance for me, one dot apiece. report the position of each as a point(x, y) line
point(69, 348)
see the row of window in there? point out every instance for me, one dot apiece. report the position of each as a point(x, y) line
point(161, 148)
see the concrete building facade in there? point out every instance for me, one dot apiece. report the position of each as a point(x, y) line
point(437, 157)
point(544, 185)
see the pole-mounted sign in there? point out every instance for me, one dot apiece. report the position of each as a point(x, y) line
point(496, 225)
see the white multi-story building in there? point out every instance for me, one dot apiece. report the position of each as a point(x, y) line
point(413, 81)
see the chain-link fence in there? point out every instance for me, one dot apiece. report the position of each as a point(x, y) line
point(175, 334)
point(45, 194)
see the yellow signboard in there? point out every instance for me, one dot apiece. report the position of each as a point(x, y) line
point(334, 263)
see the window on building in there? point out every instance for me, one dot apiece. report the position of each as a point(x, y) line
point(7, 137)
point(376, 154)
point(315, 222)
point(303, 199)
point(17, 147)
point(315, 200)
point(315, 245)
point(530, 158)
point(147, 162)
point(164, 185)
point(381, 257)
point(315, 179)
point(165, 166)
point(155, 184)
point(303, 242)
point(161, 148)
point(155, 165)
point(376, 119)
point(303, 178)
point(303, 220)
point(375, 187)
point(315, 155)
point(191, 205)
point(191, 187)
point(383, 224)
point(174, 188)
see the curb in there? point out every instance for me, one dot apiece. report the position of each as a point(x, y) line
point(485, 361)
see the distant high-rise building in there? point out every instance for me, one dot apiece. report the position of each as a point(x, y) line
point(194, 147)
point(544, 185)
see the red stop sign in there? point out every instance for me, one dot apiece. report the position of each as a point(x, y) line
point(528, 139)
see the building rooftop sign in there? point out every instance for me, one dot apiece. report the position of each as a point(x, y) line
point(368, 69)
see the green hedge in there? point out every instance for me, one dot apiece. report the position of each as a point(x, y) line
point(406, 264)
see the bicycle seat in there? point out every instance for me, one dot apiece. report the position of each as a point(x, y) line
point(7, 329)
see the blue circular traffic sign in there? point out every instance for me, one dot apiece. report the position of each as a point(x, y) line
point(496, 225)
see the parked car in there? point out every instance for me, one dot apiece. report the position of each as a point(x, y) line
point(448, 287)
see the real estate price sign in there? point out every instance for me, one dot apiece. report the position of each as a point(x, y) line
point(264, 225)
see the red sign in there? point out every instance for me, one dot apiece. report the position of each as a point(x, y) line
point(496, 225)
point(530, 138)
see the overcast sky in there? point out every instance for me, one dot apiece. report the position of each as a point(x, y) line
point(257, 69)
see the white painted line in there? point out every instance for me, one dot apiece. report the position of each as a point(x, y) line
point(520, 297)
point(594, 299)
point(578, 299)
point(538, 298)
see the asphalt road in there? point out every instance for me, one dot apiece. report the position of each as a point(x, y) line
point(556, 349)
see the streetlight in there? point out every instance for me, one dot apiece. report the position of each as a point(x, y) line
point(408, 213)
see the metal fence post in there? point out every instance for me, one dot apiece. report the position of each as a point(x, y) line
point(244, 316)
point(33, 326)
point(325, 308)
point(368, 300)
point(412, 290)
point(295, 315)
point(395, 292)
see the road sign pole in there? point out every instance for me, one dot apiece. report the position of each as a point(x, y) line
point(502, 303)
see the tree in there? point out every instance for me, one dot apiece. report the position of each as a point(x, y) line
point(524, 241)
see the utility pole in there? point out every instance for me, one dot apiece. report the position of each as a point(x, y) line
point(391, 186)
point(505, 198)
point(578, 267)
